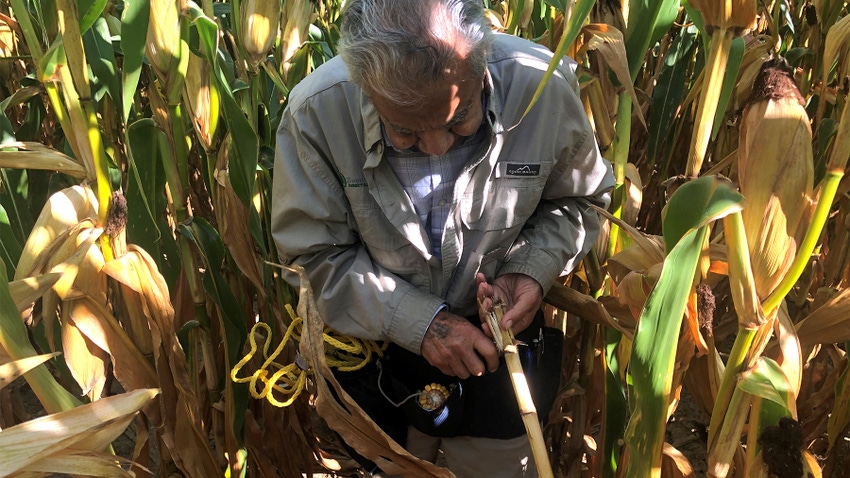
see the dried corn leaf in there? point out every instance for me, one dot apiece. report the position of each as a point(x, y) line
point(829, 324)
point(608, 42)
point(674, 464)
point(32, 155)
point(839, 419)
point(232, 218)
point(347, 418)
point(42, 437)
point(836, 48)
point(9, 371)
point(28, 290)
point(78, 463)
point(179, 415)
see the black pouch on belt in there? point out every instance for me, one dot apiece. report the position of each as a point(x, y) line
point(491, 407)
point(432, 401)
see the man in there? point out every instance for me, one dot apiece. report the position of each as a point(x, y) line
point(411, 190)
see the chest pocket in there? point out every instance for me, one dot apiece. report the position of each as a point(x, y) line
point(507, 203)
point(386, 246)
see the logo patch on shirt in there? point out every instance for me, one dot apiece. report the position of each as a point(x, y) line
point(523, 169)
point(354, 182)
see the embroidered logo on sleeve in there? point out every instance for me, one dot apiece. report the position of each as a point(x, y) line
point(523, 169)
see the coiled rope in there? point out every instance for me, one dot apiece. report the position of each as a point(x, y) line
point(342, 352)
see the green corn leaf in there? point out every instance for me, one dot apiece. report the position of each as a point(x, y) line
point(699, 202)
point(689, 212)
point(15, 340)
point(668, 92)
point(10, 248)
point(7, 132)
point(560, 5)
point(580, 12)
point(212, 252)
point(616, 405)
point(766, 380)
point(90, 11)
point(134, 29)
point(654, 352)
point(648, 21)
point(149, 231)
point(101, 58)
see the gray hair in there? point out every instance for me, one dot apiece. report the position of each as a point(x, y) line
point(399, 48)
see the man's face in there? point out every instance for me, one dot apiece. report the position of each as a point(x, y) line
point(452, 112)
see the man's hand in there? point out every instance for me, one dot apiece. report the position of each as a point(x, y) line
point(457, 347)
point(521, 294)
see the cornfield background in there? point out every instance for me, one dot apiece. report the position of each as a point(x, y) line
point(136, 157)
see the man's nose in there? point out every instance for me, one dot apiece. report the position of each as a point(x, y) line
point(436, 142)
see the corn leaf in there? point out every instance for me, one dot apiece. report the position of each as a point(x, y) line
point(97, 43)
point(580, 11)
point(767, 380)
point(10, 248)
point(143, 227)
point(654, 347)
point(15, 340)
point(648, 21)
point(668, 92)
point(14, 369)
point(828, 324)
point(42, 437)
point(90, 11)
point(134, 28)
point(28, 290)
point(701, 201)
point(839, 419)
point(77, 463)
point(212, 252)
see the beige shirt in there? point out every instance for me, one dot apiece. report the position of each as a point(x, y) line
point(520, 206)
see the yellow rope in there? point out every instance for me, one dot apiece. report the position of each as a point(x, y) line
point(342, 352)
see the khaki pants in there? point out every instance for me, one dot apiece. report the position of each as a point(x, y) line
point(472, 457)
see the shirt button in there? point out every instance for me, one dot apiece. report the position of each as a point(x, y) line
point(442, 203)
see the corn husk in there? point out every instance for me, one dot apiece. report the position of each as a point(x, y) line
point(201, 98)
point(165, 49)
point(296, 22)
point(260, 21)
point(775, 173)
point(735, 15)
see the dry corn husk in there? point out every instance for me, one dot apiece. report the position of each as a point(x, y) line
point(260, 24)
point(735, 15)
point(64, 210)
point(775, 173)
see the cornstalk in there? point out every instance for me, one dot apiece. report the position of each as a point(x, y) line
point(505, 343)
point(713, 74)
